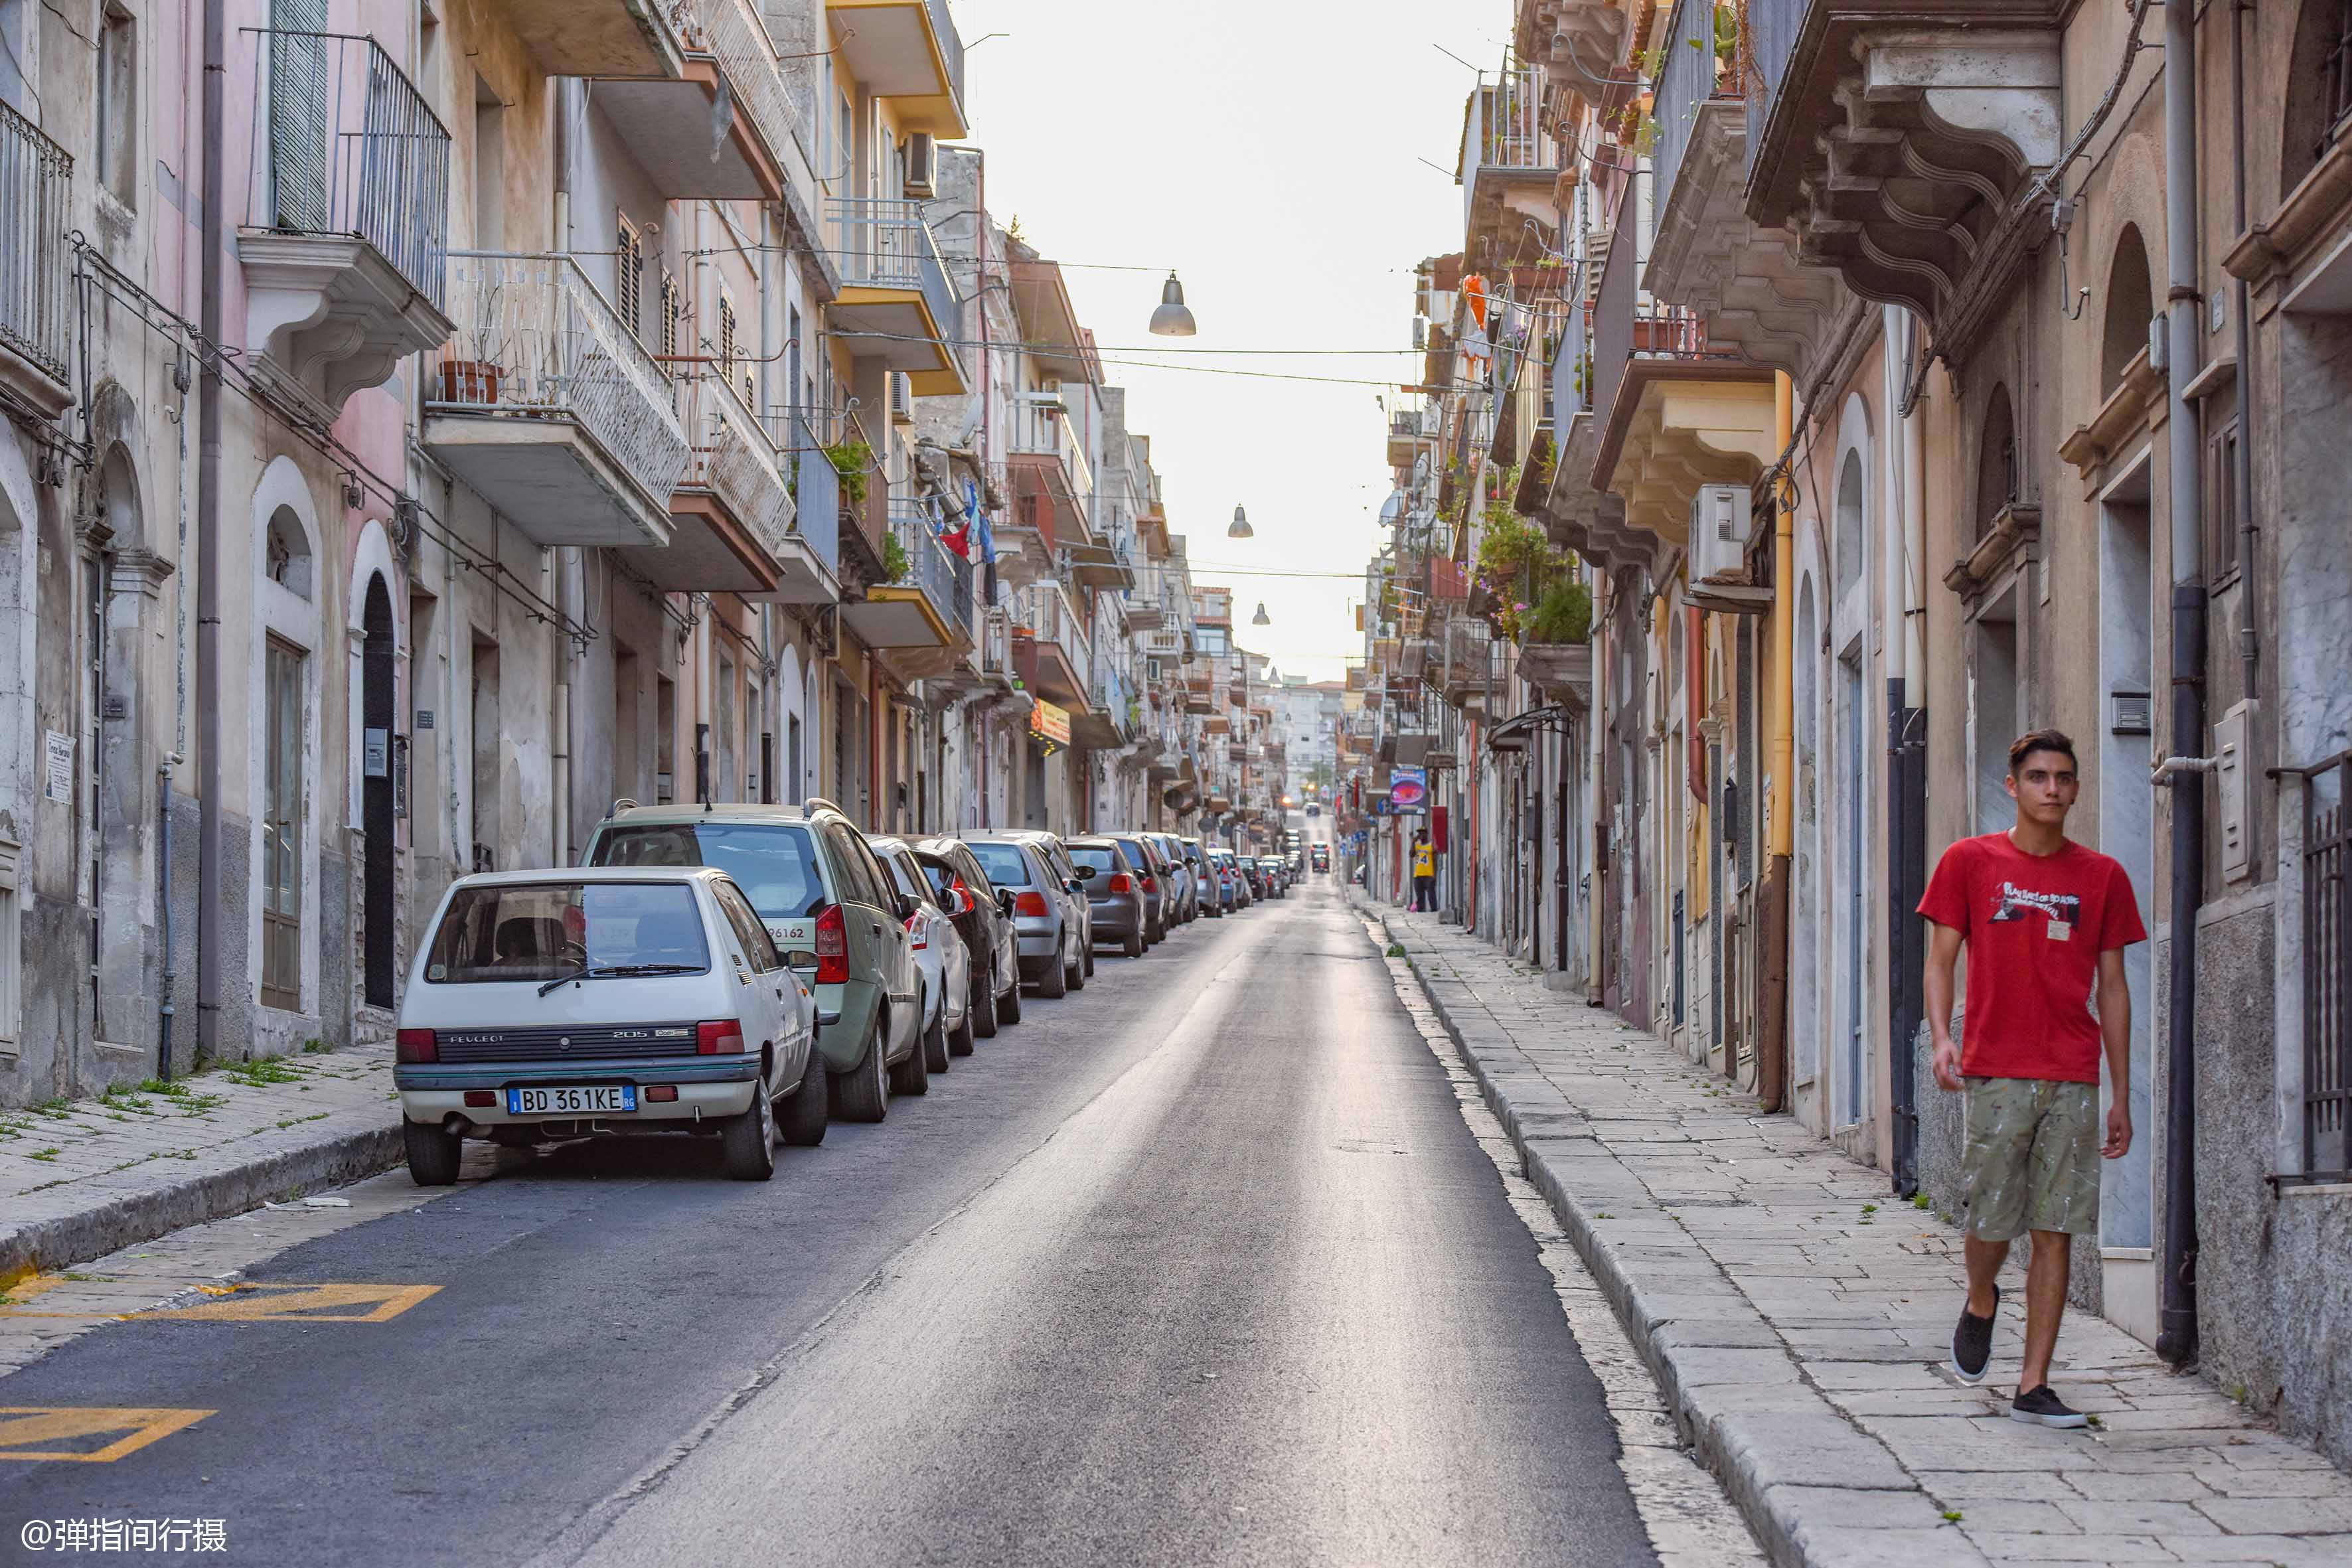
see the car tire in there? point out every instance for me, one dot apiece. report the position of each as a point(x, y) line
point(1134, 948)
point(986, 1015)
point(1086, 965)
point(936, 1048)
point(1075, 977)
point(959, 1038)
point(748, 1143)
point(807, 1107)
point(434, 1153)
point(909, 1075)
point(861, 1094)
point(1055, 981)
point(1008, 1006)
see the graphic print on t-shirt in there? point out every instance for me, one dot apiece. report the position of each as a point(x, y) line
point(2013, 903)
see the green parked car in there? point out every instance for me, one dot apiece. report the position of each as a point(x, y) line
point(832, 910)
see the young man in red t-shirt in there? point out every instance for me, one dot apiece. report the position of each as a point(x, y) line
point(2045, 921)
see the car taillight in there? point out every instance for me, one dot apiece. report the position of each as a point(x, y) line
point(832, 947)
point(416, 1045)
point(718, 1037)
point(1121, 882)
point(964, 902)
point(1031, 903)
point(922, 939)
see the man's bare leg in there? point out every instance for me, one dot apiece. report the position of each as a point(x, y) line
point(1985, 1258)
point(2045, 1303)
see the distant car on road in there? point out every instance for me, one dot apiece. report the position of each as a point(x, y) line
point(563, 1004)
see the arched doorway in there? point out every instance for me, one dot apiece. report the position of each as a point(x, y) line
point(377, 656)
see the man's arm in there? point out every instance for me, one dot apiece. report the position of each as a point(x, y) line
point(2114, 1033)
point(1943, 951)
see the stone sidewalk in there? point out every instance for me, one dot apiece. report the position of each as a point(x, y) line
point(1799, 1319)
point(79, 1179)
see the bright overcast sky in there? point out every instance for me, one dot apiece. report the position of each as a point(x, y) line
point(1270, 151)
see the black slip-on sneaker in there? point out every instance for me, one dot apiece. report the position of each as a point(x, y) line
point(1972, 1341)
point(2039, 1407)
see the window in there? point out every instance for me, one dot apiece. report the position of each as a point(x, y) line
point(281, 827)
point(2222, 479)
point(628, 277)
point(672, 302)
point(522, 932)
point(1005, 864)
point(118, 102)
point(774, 866)
point(727, 336)
point(759, 948)
point(286, 552)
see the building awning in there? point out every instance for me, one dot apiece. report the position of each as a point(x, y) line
point(1512, 733)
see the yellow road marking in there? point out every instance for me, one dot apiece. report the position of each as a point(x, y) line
point(264, 1302)
point(58, 1426)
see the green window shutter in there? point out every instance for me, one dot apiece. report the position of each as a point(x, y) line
point(300, 136)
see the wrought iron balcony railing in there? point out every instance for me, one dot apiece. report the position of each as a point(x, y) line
point(35, 173)
point(884, 243)
point(944, 577)
point(534, 340)
point(343, 144)
point(730, 456)
point(727, 32)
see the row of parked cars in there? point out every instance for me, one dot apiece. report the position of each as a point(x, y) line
point(750, 973)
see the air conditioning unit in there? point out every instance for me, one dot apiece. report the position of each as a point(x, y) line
point(902, 398)
point(1718, 534)
point(922, 164)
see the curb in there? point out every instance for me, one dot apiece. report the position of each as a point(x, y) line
point(1817, 1491)
point(124, 1219)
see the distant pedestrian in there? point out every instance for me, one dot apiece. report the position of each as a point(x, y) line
point(1425, 873)
point(2045, 921)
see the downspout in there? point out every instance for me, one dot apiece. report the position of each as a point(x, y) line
point(1772, 1048)
point(2241, 312)
point(2175, 1339)
point(164, 909)
point(564, 563)
point(1906, 786)
point(209, 896)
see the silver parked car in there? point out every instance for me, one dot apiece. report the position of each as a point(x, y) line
point(1047, 911)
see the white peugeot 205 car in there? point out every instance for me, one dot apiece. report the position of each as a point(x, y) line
point(563, 1004)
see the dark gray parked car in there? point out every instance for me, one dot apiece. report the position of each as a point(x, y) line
point(1159, 884)
point(1114, 884)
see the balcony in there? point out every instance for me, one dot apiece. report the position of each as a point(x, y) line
point(1100, 566)
point(1580, 40)
point(1053, 484)
point(1894, 137)
point(1412, 432)
point(907, 51)
point(549, 408)
point(816, 505)
point(1759, 302)
point(927, 603)
point(732, 517)
point(1670, 412)
point(724, 54)
point(1507, 169)
point(896, 304)
point(1113, 717)
point(342, 242)
point(35, 264)
point(1469, 656)
point(595, 37)
point(1050, 648)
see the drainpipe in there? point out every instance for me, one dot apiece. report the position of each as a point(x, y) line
point(1772, 1052)
point(2175, 1339)
point(564, 563)
point(208, 530)
point(2242, 311)
point(163, 906)
point(1907, 774)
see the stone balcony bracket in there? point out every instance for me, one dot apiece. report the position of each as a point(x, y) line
point(328, 315)
point(1682, 433)
point(1761, 303)
point(1898, 173)
point(1580, 39)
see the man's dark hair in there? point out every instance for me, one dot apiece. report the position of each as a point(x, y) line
point(2034, 740)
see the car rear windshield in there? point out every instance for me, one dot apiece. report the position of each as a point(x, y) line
point(1005, 865)
point(1093, 861)
point(774, 863)
point(536, 930)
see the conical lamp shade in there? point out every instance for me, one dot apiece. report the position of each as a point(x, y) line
point(1261, 618)
point(1240, 527)
point(1172, 320)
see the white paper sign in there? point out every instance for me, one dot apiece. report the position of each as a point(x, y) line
point(58, 772)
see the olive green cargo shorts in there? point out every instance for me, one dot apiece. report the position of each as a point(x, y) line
point(2032, 1158)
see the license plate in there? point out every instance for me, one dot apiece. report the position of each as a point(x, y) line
point(597, 1100)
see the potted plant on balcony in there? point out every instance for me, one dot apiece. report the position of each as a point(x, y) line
point(1557, 653)
point(470, 380)
point(853, 459)
point(894, 561)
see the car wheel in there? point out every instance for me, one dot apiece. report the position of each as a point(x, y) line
point(1055, 981)
point(434, 1153)
point(748, 1141)
point(1085, 967)
point(1074, 978)
point(1134, 948)
point(935, 1043)
point(861, 1094)
point(960, 1040)
point(806, 1107)
point(981, 1017)
point(1008, 1006)
point(909, 1075)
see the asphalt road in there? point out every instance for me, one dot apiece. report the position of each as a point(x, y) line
point(1198, 1266)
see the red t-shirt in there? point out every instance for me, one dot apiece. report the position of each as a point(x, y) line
point(2035, 926)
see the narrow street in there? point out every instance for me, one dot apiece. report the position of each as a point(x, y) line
point(1202, 1265)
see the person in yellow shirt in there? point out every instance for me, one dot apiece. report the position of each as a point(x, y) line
point(1425, 873)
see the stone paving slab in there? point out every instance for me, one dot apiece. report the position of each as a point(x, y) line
point(81, 1179)
point(1798, 1319)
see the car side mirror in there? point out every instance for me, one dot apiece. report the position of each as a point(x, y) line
point(1004, 901)
point(1076, 886)
point(906, 906)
